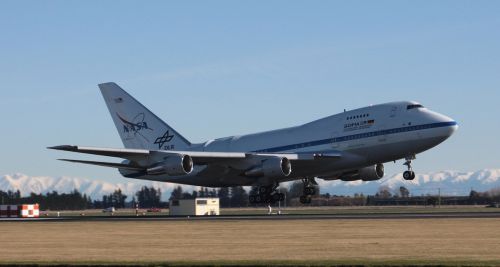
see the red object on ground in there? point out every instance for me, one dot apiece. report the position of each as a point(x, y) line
point(24, 211)
point(29, 211)
point(154, 210)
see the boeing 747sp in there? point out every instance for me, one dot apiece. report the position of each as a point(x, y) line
point(352, 145)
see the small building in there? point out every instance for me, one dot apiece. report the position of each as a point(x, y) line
point(195, 207)
point(22, 211)
point(9, 211)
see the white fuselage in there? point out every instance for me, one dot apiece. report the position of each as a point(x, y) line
point(366, 136)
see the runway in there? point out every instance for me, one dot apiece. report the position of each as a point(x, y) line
point(274, 217)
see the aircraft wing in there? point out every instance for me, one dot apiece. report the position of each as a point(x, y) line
point(137, 154)
point(199, 157)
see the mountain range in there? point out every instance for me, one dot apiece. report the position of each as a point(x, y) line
point(447, 182)
point(451, 183)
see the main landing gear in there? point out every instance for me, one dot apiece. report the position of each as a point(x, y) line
point(309, 190)
point(409, 174)
point(267, 194)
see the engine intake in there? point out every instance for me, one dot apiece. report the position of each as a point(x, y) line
point(173, 166)
point(272, 167)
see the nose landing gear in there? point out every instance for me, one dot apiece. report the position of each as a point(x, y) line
point(409, 174)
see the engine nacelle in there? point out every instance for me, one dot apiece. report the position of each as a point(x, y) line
point(371, 173)
point(130, 173)
point(174, 165)
point(272, 167)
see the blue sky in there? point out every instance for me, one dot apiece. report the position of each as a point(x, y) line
point(219, 68)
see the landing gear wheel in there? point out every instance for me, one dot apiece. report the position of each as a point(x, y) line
point(275, 198)
point(251, 199)
point(263, 189)
point(305, 199)
point(266, 194)
point(309, 191)
point(409, 175)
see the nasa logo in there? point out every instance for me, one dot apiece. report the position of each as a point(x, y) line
point(135, 126)
point(162, 140)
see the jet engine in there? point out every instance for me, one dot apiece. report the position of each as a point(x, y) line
point(175, 165)
point(272, 167)
point(371, 173)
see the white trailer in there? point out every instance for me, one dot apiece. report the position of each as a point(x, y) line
point(195, 207)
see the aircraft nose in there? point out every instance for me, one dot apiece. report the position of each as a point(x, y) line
point(449, 125)
point(452, 128)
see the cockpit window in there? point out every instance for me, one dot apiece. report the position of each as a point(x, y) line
point(413, 106)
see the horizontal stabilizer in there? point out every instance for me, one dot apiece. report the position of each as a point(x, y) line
point(110, 152)
point(106, 164)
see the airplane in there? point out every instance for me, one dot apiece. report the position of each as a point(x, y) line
point(352, 145)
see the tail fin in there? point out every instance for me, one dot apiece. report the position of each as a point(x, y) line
point(138, 127)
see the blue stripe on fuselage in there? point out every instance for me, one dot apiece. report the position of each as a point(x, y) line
point(358, 136)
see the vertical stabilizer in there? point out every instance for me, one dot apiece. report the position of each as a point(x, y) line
point(138, 127)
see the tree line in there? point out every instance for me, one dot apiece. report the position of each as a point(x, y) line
point(146, 197)
point(149, 197)
point(51, 200)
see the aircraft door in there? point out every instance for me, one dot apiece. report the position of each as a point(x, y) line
point(394, 111)
point(335, 143)
point(382, 137)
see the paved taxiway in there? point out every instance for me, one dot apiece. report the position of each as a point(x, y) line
point(366, 216)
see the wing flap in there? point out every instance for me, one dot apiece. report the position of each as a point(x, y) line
point(302, 155)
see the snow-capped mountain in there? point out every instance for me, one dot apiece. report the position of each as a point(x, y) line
point(92, 187)
point(449, 182)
